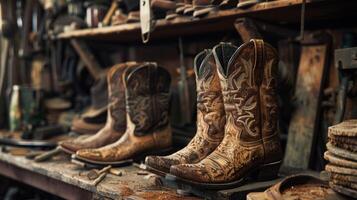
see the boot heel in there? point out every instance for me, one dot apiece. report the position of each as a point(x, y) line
point(268, 171)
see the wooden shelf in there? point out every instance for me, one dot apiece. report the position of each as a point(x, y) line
point(64, 179)
point(281, 12)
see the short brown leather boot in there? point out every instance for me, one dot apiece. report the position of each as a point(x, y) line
point(251, 145)
point(210, 119)
point(202, 7)
point(116, 119)
point(147, 89)
point(181, 6)
point(248, 3)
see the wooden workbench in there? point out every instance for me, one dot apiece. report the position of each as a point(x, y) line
point(67, 180)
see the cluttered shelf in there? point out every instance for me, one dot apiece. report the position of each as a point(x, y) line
point(277, 12)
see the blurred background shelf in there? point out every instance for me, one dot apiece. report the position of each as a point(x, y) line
point(318, 13)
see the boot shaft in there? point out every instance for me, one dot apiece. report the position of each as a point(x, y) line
point(147, 89)
point(210, 107)
point(116, 96)
point(247, 84)
point(268, 93)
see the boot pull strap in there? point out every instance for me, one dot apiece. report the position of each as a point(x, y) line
point(259, 58)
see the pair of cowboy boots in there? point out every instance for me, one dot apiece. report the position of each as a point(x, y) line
point(237, 136)
point(137, 117)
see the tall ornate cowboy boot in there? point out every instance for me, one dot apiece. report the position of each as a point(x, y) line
point(210, 119)
point(251, 145)
point(148, 131)
point(116, 119)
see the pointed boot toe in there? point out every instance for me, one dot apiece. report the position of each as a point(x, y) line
point(69, 146)
point(89, 154)
point(192, 173)
point(160, 164)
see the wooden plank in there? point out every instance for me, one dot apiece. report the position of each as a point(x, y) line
point(42, 182)
point(277, 12)
point(67, 180)
point(304, 124)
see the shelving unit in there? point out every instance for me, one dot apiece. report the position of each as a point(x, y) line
point(282, 12)
point(67, 180)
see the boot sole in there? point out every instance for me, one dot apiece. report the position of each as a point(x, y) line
point(96, 165)
point(263, 173)
point(66, 150)
point(156, 171)
point(100, 163)
point(122, 162)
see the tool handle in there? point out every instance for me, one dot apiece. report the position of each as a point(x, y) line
point(99, 179)
point(47, 155)
point(105, 169)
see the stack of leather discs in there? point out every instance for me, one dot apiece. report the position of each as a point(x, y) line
point(342, 157)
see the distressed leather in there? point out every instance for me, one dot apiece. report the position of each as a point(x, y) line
point(147, 90)
point(210, 117)
point(251, 136)
point(116, 119)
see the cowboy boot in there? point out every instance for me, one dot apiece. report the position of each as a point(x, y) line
point(248, 3)
point(189, 9)
point(210, 119)
point(116, 121)
point(94, 118)
point(228, 4)
point(202, 7)
point(251, 145)
point(147, 90)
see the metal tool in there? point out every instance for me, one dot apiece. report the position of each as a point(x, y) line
point(94, 173)
point(99, 179)
point(47, 155)
point(346, 63)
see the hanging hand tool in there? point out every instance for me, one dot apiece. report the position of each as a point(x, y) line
point(183, 88)
point(346, 63)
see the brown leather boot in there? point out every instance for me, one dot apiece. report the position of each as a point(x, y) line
point(116, 119)
point(182, 6)
point(228, 4)
point(248, 3)
point(251, 145)
point(147, 89)
point(210, 119)
point(202, 7)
